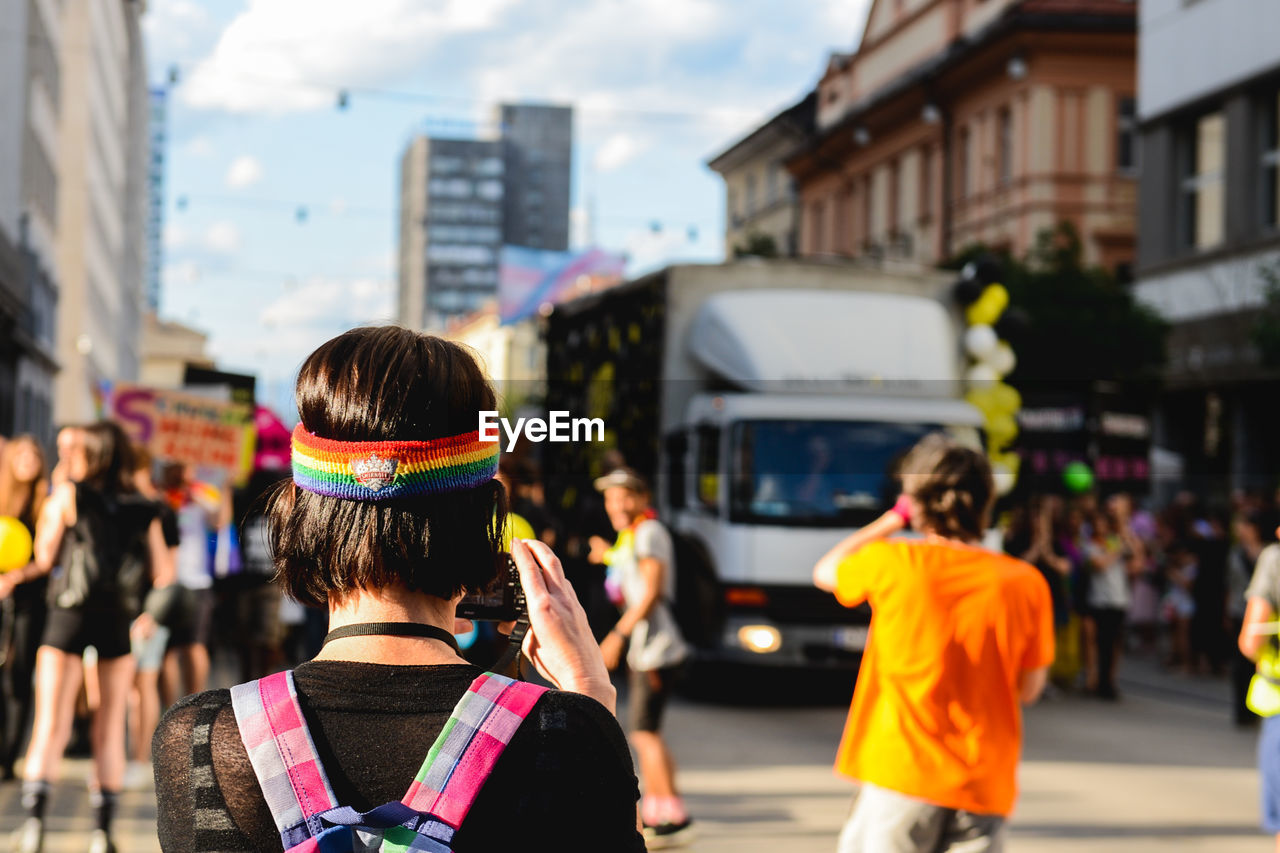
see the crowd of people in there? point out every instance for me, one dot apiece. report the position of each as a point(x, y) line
point(1169, 581)
point(143, 580)
point(111, 619)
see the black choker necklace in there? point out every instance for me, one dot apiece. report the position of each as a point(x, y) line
point(393, 629)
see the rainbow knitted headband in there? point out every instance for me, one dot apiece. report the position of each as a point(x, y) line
point(384, 470)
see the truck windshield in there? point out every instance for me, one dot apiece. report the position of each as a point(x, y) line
point(817, 473)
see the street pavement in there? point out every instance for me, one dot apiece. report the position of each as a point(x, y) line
point(1161, 770)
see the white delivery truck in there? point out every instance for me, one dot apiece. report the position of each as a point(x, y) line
point(769, 401)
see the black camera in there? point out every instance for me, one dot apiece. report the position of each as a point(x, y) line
point(500, 601)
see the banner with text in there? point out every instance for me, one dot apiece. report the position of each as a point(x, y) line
point(180, 427)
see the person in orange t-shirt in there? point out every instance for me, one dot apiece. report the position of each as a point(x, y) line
point(959, 638)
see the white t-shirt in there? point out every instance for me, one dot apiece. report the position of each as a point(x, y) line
point(193, 547)
point(656, 642)
point(1109, 587)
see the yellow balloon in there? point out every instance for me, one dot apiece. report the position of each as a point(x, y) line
point(1009, 460)
point(989, 307)
point(15, 544)
point(983, 399)
point(1001, 430)
point(516, 528)
point(1005, 398)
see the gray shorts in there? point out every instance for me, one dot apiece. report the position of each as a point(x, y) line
point(149, 654)
point(885, 821)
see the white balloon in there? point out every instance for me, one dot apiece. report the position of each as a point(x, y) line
point(981, 376)
point(1004, 478)
point(981, 341)
point(1002, 360)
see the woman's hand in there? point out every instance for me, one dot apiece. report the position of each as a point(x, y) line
point(144, 627)
point(559, 642)
point(611, 650)
point(598, 548)
point(7, 583)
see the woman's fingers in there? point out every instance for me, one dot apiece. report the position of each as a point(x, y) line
point(530, 572)
point(546, 557)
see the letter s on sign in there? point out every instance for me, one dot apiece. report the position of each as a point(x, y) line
point(131, 409)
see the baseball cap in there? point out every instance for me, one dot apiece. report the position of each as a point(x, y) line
point(624, 477)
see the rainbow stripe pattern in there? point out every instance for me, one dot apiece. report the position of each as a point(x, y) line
point(385, 470)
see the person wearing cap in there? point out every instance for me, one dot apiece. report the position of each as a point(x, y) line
point(643, 562)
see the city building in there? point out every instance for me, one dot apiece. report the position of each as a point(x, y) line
point(514, 355)
point(959, 121)
point(451, 193)
point(29, 108)
point(157, 139)
point(537, 148)
point(101, 201)
point(461, 200)
point(761, 206)
point(167, 349)
point(1209, 238)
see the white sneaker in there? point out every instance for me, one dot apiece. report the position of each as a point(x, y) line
point(100, 842)
point(138, 776)
point(30, 837)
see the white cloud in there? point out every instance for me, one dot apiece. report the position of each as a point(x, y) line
point(175, 26)
point(619, 150)
point(281, 56)
point(222, 238)
point(175, 237)
point(199, 146)
point(333, 304)
point(245, 171)
point(180, 273)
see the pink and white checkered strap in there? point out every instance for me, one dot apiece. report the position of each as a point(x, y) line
point(283, 755)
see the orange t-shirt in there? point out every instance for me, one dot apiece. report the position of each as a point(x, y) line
point(936, 714)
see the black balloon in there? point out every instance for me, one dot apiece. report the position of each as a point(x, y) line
point(1014, 325)
point(987, 270)
point(966, 291)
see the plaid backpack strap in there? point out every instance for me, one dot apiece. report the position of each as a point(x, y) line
point(469, 746)
point(283, 756)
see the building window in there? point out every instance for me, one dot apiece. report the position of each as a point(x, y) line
point(1271, 161)
point(774, 177)
point(1202, 182)
point(1127, 135)
point(733, 208)
point(963, 187)
point(816, 228)
point(1004, 125)
point(751, 194)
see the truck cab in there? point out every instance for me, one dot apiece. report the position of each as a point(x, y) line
point(760, 487)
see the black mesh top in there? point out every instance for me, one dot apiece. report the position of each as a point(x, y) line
point(566, 779)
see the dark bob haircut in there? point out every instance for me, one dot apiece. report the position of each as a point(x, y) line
point(952, 484)
point(388, 383)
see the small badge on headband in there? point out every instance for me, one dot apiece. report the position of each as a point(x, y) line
point(374, 472)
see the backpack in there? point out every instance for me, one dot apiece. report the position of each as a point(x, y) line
point(302, 801)
point(104, 560)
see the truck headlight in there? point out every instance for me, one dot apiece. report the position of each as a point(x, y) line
point(761, 639)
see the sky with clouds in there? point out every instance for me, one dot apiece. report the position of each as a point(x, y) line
point(280, 214)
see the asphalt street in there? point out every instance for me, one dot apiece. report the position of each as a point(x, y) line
point(1161, 770)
